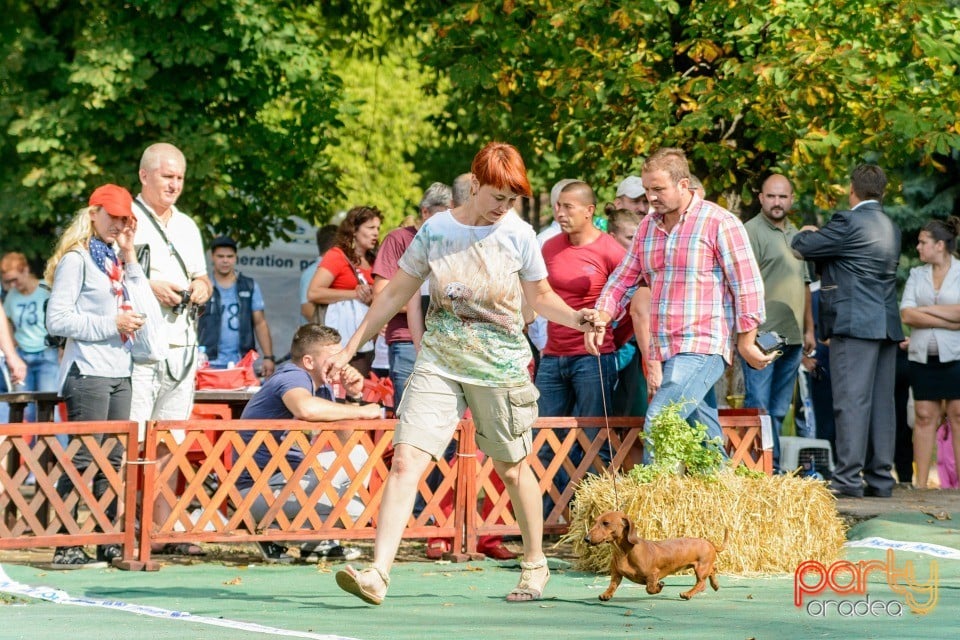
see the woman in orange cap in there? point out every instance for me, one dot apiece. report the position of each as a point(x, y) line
point(99, 301)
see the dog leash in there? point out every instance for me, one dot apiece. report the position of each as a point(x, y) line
point(606, 420)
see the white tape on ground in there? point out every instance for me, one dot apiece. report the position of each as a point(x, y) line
point(62, 597)
point(898, 545)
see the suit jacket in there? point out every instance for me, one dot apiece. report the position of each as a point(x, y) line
point(857, 254)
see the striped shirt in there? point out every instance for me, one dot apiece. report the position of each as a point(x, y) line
point(704, 282)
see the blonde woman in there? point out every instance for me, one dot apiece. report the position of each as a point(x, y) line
point(931, 306)
point(99, 301)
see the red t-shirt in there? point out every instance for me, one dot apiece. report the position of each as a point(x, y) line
point(344, 272)
point(578, 275)
point(386, 266)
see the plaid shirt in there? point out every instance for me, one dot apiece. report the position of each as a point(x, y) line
point(704, 280)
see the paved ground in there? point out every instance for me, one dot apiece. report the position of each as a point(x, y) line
point(226, 594)
point(903, 500)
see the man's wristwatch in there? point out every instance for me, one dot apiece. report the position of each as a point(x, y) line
point(355, 399)
point(270, 358)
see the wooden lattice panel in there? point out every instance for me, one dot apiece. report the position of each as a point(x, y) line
point(211, 457)
point(36, 515)
point(743, 443)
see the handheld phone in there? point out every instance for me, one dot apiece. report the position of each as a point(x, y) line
point(771, 343)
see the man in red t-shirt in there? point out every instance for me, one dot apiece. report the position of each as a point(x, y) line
point(579, 260)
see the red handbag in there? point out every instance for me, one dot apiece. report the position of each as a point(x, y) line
point(238, 377)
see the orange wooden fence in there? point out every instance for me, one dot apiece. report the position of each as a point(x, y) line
point(350, 460)
point(36, 515)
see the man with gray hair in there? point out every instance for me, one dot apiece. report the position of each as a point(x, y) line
point(554, 227)
point(537, 330)
point(400, 342)
point(178, 276)
point(461, 189)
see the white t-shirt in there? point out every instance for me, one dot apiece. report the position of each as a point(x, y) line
point(474, 325)
point(537, 331)
point(182, 231)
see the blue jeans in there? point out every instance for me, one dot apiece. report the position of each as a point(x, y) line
point(42, 372)
point(771, 389)
point(688, 379)
point(572, 386)
point(403, 355)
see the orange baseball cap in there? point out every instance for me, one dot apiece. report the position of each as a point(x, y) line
point(116, 200)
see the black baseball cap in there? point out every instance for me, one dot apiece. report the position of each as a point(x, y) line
point(223, 241)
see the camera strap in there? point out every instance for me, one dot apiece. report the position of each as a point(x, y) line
point(170, 245)
point(191, 353)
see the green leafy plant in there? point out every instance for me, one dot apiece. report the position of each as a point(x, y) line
point(744, 471)
point(679, 448)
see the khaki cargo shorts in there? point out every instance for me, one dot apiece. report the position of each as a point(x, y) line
point(432, 405)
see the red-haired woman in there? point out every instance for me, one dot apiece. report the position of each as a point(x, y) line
point(344, 274)
point(482, 261)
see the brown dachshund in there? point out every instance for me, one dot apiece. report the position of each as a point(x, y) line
point(646, 562)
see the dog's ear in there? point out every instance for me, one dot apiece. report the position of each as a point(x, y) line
point(631, 530)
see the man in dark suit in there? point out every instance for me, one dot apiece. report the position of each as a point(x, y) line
point(857, 254)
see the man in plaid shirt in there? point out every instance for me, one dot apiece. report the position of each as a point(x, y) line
point(706, 291)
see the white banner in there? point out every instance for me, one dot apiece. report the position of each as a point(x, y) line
point(57, 596)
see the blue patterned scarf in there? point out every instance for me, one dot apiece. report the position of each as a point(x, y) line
point(106, 259)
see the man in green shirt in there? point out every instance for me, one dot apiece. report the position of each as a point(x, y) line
point(787, 299)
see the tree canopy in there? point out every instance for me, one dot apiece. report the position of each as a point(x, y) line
point(244, 88)
point(589, 87)
point(286, 108)
point(385, 127)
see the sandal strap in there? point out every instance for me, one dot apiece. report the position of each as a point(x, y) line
point(539, 564)
point(383, 576)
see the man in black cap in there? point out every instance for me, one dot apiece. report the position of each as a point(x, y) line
point(233, 316)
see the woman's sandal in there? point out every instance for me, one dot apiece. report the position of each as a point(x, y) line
point(370, 585)
point(533, 580)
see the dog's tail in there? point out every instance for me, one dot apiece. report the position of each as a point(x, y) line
point(723, 545)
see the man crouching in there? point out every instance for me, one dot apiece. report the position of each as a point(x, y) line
point(299, 390)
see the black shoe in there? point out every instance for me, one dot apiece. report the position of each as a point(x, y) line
point(328, 550)
point(841, 493)
point(107, 552)
point(873, 492)
point(274, 553)
point(75, 558)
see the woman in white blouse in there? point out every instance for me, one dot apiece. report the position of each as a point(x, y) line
point(931, 306)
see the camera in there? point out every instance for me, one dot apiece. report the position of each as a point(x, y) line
point(770, 342)
point(183, 304)
point(54, 341)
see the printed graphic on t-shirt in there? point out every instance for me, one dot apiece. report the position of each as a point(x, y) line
point(474, 325)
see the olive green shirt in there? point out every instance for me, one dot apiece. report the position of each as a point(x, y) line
point(785, 277)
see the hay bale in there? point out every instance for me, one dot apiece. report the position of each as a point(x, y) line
point(775, 523)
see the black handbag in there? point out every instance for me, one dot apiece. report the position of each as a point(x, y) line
point(143, 257)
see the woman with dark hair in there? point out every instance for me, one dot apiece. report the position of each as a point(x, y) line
point(931, 306)
point(344, 275)
point(483, 261)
